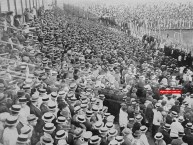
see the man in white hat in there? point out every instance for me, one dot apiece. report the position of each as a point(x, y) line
point(123, 116)
point(143, 136)
point(10, 133)
point(176, 127)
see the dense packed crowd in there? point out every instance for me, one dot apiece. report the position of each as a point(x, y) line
point(156, 15)
point(53, 71)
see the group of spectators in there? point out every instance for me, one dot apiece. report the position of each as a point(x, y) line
point(55, 68)
point(157, 15)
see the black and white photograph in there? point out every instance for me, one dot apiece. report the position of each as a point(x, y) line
point(96, 72)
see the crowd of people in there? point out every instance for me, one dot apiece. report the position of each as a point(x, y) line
point(53, 68)
point(157, 15)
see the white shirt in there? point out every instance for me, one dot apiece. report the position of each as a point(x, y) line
point(10, 136)
point(157, 118)
point(23, 114)
point(123, 118)
point(143, 139)
point(175, 128)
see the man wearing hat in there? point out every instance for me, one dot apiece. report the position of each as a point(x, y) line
point(25, 110)
point(123, 116)
point(32, 122)
point(34, 109)
point(103, 134)
point(95, 140)
point(78, 139)
point(143, 136)
point(10, 133)
point(179, 140)
point(86, 137)
point(165, 132)
point(23, 140)
point(176, 127)
point(159, 139)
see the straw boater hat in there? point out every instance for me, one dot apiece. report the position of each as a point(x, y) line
point(48, 117)
point(167, 126)
point(110, 125)
point(81, 118)
point(103, 130)
point(114, 142)
point(158, 136)
point(32, 117)
point(87, 135)
point(61, 134)
point(143, 128)
point(112, 132)
point(126, 131)
point(95, 139)
point(25, 129)
point(11, 120)
point(49, 127)
point(61, 119)
point(119, 139)
point(15, 108)
point(46, 140)
point(51, 105)
point(97, 125)
point(22, 139)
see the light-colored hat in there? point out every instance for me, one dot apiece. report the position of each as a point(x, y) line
point(61, 134)
point(25, 129)
point(11, 120)
point(98, 125)
point(110, 118)
point(180, 118)
point(158, 136)
point(22, 138)
point(49, 127)
point(87, 135)
point(47, 117)
point(113, 142)
point(119, 139)
point(143, 128)
point(81, 118)
point(112, 132)
point(52, 105)
point(95, 139)
point(109, 125)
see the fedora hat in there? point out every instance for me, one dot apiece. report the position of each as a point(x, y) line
point(158, 136)
point(81, 118)
point(95, 139)
point(97, 125)
point(15, 108)
point(11, 120)
point(22, 138)
point(49, 127)
point(47, 117)
point(143, 128)
point(61, 134)
point(112, 132)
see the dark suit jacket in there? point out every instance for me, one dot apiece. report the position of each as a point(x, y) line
point(166, 137)
point(34, 110)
